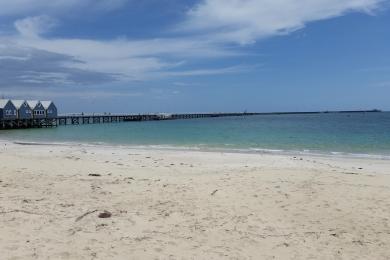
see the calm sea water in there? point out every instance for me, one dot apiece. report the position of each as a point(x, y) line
point(357, 133)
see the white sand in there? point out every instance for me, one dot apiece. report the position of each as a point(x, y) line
point(190, 205)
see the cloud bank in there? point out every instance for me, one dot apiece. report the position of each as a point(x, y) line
point(245, 21)
point(213, 29)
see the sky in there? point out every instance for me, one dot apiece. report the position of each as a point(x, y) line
point(128, 56)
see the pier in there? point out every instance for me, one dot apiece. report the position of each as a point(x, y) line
point(105, 119)
point(79, 119)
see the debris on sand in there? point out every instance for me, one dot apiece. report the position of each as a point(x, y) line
point(94, 175)
point(351, 173)
point(85, 214)
point(105, 214)
point(212, 194)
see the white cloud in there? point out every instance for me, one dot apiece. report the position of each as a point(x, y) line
point(245, 21)
point(30, 58)
point(35, 26)
point(55, 93)
point(120, 59)
point(25, 66)
point(203, 72)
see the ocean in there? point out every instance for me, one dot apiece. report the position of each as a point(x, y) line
point(360, 134)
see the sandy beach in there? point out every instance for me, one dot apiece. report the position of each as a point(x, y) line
point(163, 204)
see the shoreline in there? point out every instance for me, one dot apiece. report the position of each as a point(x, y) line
point(314, 153)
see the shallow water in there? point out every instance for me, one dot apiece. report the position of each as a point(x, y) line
point(355, 133)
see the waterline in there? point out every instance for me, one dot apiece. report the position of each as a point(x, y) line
point(333, 134)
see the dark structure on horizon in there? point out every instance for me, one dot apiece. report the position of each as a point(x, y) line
point(16, 114)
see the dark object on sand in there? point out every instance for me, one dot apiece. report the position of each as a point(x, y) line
point(212, 194)
point(352, 173)
point(85, 214)
point(105, 214)
point(94, 175)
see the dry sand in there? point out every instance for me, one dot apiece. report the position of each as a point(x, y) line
point(190, 205)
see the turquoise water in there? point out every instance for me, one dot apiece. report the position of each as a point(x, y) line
point(357, 133)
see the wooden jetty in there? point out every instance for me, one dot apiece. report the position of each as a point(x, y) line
point(79, 119)
point(104, 119)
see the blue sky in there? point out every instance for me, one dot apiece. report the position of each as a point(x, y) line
point(197, 55)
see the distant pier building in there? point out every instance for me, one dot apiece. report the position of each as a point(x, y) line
point(26, 114)
point(8, 111)
point(37, 108)
point(50, 109)
point(24, 111)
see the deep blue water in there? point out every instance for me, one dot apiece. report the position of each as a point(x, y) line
point(358, 133)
